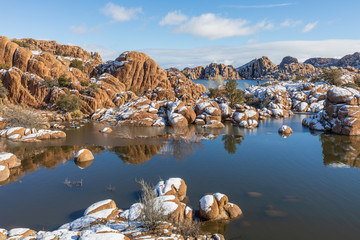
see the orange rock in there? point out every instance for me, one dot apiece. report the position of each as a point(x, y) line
point(84, 155)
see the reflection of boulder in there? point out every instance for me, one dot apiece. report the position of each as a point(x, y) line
point(83, 165)
point(339, 150)
point(33, 158)
point(137, 154)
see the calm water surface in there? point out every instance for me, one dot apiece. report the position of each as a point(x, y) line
point(242, 84)
point(310, 183)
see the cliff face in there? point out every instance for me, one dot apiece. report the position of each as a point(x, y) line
point(212, 71)
point(33, 64)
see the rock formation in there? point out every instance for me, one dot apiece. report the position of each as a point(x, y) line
point(340, 114)
point(212, 71)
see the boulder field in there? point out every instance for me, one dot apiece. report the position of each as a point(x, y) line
point(104, 220)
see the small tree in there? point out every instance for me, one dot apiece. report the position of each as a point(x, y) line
point(332, 76)
point(64, 81)
point(49, 82)
point(77, 64)
point(3, 92)
point(58, 52)
point(235, 96)
point(69, 103)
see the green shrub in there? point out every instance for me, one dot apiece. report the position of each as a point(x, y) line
point(235, 96)
point(315, 79)
point(23, 44)
point(357, 80)
point(85, 83)
point(215, 92)
point(58, 52)
point(77, 64)
point(4, 66)
point(255, 102)
point(49, 82)
point(69, 103)
point(76, 114)
point(332, 76)
point(93, 87)
point(64, 81)
point(299, 78)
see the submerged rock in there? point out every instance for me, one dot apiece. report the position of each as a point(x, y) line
point(285, 131)
point(106, 130)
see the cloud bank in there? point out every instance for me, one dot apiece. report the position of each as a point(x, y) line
point(120, 14)
point(237, 56)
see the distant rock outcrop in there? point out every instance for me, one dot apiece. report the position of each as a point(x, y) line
point(257, 68)
point(288, 60)
point(212, 71)
point(351, 60)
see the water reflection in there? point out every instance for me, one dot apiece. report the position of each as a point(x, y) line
point(341, 151)
point(230, 142)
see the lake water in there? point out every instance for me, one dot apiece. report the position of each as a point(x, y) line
point(242, 84)
point(309, 182)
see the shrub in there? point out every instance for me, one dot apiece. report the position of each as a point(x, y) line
point(64, 81)
point(69, 103)
point(49, 82)
point(332, 76)
point(357, 80)
point(93, 87)
point(255, 102)
point(4, 66)
point(85, 83)
point(23, 44)
point(235, 96)
point(18, 116)
point(315, 79)
point(76, 114)
point(153, 214)
point(299, 78)
point(187, 228)
point(3, 91)
point(77, 64)
point(215, 92)
point(58, 52)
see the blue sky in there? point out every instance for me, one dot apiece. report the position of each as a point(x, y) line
point(190, 33)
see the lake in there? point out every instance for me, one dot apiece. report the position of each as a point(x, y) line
point(242, 84)
point(306, 186)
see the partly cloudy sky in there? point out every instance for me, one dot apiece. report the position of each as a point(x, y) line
point(191, 33)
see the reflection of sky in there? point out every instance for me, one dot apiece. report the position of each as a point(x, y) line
point(262, 162)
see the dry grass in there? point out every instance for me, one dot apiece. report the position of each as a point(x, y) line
point(187, 228)
point(153, 216)
point(19, 116)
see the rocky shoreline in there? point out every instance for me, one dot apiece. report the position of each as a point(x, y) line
point(104, 220)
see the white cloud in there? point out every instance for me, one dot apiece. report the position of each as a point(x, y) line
point(173, 18)
point(290, 23)
point(214, 27)
point(238, 56)
point(260, 6)
point(83, 29)
point(310, 26)
point(106, 54)
point(119, 13)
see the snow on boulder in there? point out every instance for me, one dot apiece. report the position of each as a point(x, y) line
point(9, 159)
point(285, 131)
point(99, 206)
point(15, 130)
point(21, 233)
point(84, 155)
point(213, 124)
point(217, 207)
point(225, 110)
point(172, 186)
point(90, 235)
point(177, 120)
point(106, 130)
point(338, 95)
